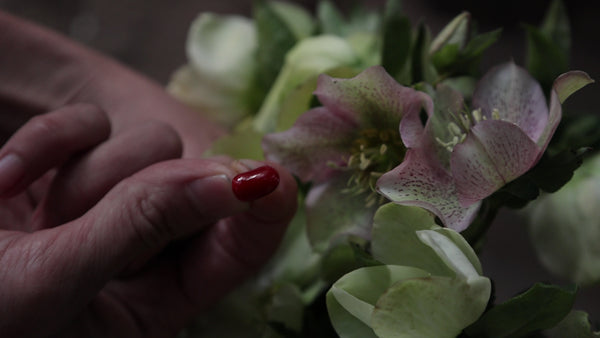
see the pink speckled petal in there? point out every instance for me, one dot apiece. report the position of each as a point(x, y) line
point(494, 153)
point(419, 182)
point(373, 97)
point(517, 96)
point(411, 126)
point(565, 85)
point(317, 139)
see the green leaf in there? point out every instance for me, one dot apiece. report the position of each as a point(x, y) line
point(516, 194)
point(243, 142)
point(545, 59)
point(540, 307)
point(478, 44)
point(575, 324)
point(338, 261)
point(278, 32)
point(395, 241)
point(576, 132)
point(351, 300)
point(362, 19)
point(446, 57)
point(286, 307)
point(473, 51)
point(396, 39)
point(465, 85)
point(330, 19)
point(420, 63)
point(299, 21)
point(295, 261)
point(430, 307)
point(455, 33)
point(554, 171)
point(556, 26)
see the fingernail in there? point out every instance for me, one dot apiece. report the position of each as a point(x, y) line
point(256, 183)
point(12, 170)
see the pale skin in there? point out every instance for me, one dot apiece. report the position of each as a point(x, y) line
point(111, 222)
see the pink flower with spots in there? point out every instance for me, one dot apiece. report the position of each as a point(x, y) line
point(343, 147)
point(459, 158)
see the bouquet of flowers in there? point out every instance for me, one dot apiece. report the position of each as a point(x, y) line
point(404, 153)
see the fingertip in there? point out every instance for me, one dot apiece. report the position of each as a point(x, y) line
point(47, 141)
point(12, 170)
point(280, 204)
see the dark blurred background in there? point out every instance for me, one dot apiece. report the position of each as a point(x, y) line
point(149, 36)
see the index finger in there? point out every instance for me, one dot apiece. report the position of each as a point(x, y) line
point(47, 141)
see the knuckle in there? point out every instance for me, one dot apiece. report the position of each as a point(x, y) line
point(165, 137)
point(45, 126)
point(147, 216)
point(60, 127)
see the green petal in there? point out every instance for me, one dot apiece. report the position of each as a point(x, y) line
point(332, 213)
point(351, 300)
point(221, 49)
point(430, 307)
point(395, 241)
point(310, 57)
point(449, 253)
point(575, 324)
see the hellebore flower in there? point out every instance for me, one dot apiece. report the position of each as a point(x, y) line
point(220, 51)
point(460, 158)
point(343, 147)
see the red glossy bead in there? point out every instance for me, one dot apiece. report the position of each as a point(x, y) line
point(255, 183)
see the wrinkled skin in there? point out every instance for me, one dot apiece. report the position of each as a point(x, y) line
point(106, 231)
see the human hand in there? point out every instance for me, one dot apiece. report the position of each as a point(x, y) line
point(85, 251)
point(99, 235)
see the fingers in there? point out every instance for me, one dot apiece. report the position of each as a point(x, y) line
point(82, 183)
point(47, 141)
point(66, 266)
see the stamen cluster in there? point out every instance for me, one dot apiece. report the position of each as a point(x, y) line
point(463, 123)
point(373, 153)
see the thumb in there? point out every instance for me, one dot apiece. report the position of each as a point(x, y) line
point(232, 250)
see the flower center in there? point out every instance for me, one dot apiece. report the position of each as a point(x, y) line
point(463, 123)
point(373, 153)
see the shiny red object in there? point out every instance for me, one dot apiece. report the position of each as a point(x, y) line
point(255, 183)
